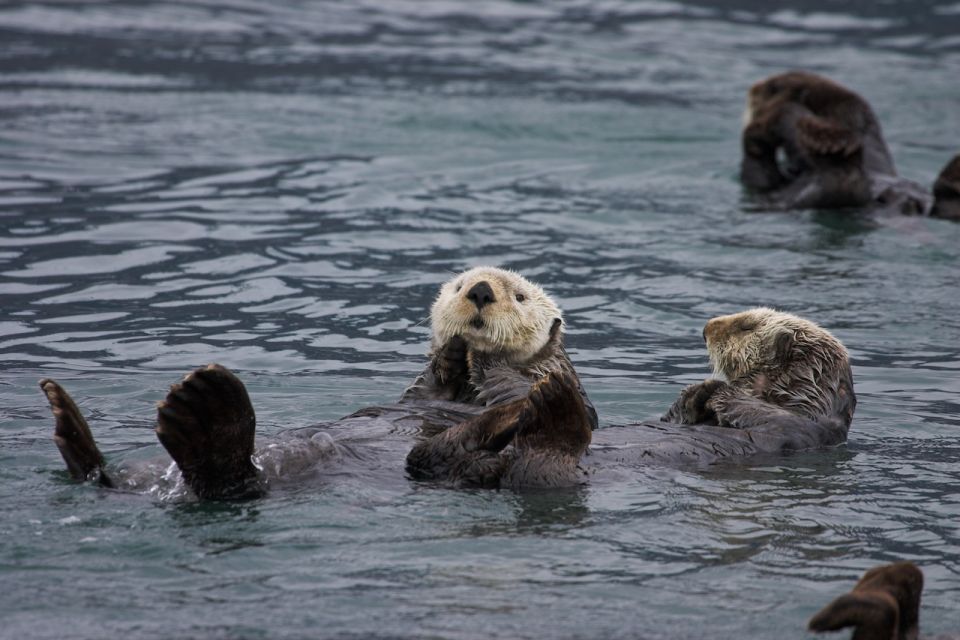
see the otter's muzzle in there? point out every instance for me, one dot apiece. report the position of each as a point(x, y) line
point(481, 294)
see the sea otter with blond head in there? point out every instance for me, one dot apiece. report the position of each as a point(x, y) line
point(498, 378)
point(784, 384)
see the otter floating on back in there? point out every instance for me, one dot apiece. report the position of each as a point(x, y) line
point(496, 338)
point(788, 387)
point(809, 142)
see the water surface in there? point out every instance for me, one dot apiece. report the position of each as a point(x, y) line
point(281, 187)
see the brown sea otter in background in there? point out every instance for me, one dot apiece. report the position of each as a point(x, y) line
point(809, 142)
point(498, 375)
point(884, 605)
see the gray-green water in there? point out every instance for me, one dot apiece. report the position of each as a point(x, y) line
point(281, 187)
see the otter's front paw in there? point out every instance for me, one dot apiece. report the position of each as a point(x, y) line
point(692, 405)
point(450, 365)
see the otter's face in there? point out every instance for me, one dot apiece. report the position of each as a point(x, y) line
point(749, 341)
point(495, 311)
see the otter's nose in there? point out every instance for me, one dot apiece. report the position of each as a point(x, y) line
point(481, 294)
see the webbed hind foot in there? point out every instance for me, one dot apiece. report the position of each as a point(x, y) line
point(207, 424)
point(73, 437)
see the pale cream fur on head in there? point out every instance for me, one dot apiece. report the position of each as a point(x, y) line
point(746, 342)
point(515, 326)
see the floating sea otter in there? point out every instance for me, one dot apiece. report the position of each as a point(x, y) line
point(496, 337)
point(787, 387)
point(884, 605)
point(809, 142)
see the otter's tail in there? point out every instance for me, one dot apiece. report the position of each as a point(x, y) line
point(72, 436)
point(207, 424)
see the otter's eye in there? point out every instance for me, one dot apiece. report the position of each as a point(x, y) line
point(521, 297)
point(459, 286)
point(747, 325)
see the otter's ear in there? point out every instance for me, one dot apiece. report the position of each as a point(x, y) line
point(555, 330)
point(783, 345)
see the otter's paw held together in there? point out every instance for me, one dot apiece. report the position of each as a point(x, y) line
point(692, 407)
point(450, 365)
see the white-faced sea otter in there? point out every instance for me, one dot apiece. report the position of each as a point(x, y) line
point(496, 338)
point(809, 142)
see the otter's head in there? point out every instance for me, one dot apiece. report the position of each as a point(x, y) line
point(497, 312)
point(762, 339)
point(946, 192)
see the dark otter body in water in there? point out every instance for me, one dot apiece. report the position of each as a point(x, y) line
point(495, 336)
point(809, 142)
point(788, 387)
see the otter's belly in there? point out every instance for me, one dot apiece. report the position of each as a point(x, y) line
point(373, 441)
point(669, 443)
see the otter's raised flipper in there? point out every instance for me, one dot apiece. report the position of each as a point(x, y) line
point(468, 454)
point(72, 436)
point(885, 603)
point(206, 423)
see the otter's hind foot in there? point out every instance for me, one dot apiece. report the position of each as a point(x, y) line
point(207, 423)
point(72, 436)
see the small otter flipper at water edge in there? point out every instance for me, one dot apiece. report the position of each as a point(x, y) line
point(72, 436)
point(206, 423)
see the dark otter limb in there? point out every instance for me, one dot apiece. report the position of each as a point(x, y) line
point(885, 603)
point(468, 453)
point(207, 424)
point(946, 192)
point(73, 437)
point(691, 407)
point(446, 376)
point(758, 168)
point(555, 429)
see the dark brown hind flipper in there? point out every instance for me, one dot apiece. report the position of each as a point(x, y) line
point(207, 424)
point(555, 417)
point(72, 436)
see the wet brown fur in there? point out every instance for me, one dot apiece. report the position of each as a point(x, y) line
point(884, 604)
point(776, 365)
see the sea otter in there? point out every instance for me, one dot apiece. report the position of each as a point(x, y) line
point(787, 386)
point(946, 192)
point(884, 604)
point(497, 351)
point(809, 142)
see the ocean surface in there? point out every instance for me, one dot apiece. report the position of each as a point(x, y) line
point(282, 186)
